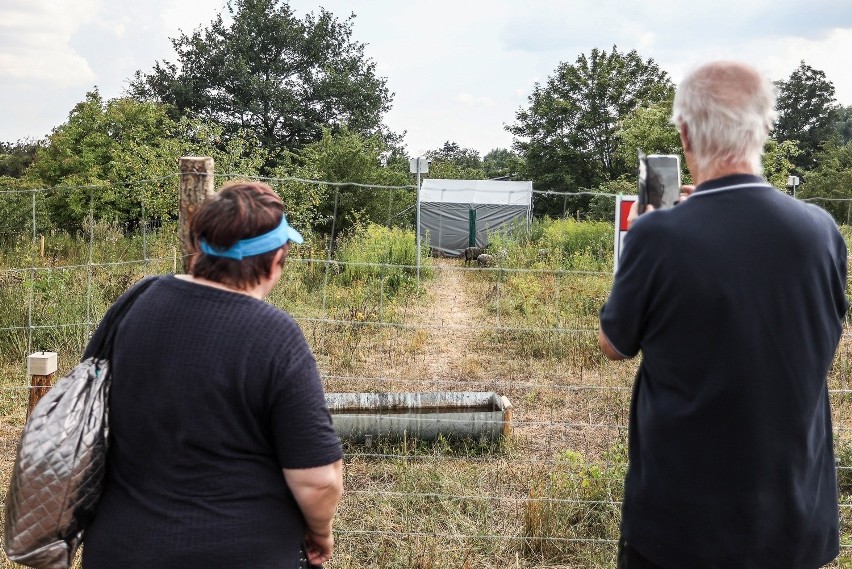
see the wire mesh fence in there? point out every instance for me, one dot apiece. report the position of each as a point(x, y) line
point(547, 495)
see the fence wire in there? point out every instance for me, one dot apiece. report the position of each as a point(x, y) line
point(548, 495)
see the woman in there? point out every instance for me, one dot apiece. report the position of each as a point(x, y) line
point(214, 393)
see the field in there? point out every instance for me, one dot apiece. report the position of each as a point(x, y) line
point(546, 496)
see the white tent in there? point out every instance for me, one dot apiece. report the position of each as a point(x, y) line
point(455, 214)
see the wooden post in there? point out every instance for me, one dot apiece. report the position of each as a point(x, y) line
point(507, 416)
point(40, 367)
point(41, 247)
point(196, 183)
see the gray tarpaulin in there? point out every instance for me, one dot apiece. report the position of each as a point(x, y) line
point(445, 207)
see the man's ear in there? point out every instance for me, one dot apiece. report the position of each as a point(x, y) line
point(684, 137)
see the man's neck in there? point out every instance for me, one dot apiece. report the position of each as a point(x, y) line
point(721, 171)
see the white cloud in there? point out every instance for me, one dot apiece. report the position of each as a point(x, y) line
point(474, 101)
point(35, 42)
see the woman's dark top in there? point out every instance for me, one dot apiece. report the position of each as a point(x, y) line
point(213, 393)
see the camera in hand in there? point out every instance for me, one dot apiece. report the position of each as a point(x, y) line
point(659, 180)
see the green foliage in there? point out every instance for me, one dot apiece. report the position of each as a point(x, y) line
point(347, 157)
point(648, 129)
point(602, 207)
point(843, 126)
point(830, 181)
point(282, 78)
point(779, 161)
point(504, 164)
point(452, 162)
point(16, 157)
point(386, 257)
point(100, 155)
point(578, 501)
point(560, 304)
point(807, 113)
point(578, 245)
point(568, 134)
point(20, 207)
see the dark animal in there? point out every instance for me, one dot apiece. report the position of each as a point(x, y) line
point(471, 253)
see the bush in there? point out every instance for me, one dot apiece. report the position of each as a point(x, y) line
point(576, 502)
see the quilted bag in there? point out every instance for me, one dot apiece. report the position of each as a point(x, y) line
point(59, 472)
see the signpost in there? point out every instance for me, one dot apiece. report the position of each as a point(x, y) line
point(622, 210)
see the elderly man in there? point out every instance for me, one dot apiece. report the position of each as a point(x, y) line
point(736, 298)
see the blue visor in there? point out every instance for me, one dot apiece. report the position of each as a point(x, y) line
point(257, 245)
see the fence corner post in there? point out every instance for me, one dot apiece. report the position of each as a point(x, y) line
point(40, 367)
point(196, 183)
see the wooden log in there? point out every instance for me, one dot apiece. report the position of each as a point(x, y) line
point(196, 184)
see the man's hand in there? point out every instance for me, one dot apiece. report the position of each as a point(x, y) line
point(685, 192)
point(634, 212)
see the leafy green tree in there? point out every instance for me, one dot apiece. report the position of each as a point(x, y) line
point(830, 184)
point(282, 78)
point(807, 113)
point(346, 157)
point(503, 164)
point(843, 126)
point(647, 128)
point(779, 161)
point(15, 157)
point(452, 162)
point(96, 161)
point(568, 134)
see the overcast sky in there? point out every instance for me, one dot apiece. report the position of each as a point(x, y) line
point(459, 69)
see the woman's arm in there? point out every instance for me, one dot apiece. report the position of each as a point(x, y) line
point(317, 491)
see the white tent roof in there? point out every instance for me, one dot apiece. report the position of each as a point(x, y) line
point(477, 192)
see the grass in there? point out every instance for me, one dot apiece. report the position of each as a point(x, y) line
point(547, 496)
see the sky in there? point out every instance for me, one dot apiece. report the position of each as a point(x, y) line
point(459, 69)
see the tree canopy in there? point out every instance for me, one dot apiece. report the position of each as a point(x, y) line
point(452, 162)
point(105, 146)
point(283, 78)
point(807, 113)
point(567, 135)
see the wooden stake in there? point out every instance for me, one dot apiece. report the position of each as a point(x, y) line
point(40, 366)
point(196, 183)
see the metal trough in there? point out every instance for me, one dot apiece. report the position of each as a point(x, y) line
point(364, 417)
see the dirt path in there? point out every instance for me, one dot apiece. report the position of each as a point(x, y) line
point(454, 309)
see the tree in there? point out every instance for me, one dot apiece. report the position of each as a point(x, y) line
point(648, 128)
point(282, 78)
point(106, 146)
point(347, 157)
point(779, 161)
point(807, 113)
point(452, 162)
point(503, 164)
point(567, 135)
point(15, 157)
point(830, 184)
point(843, 126)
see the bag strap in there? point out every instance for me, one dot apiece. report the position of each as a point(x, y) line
point(115, 315)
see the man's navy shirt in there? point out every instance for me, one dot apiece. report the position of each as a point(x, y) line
point(736, 298)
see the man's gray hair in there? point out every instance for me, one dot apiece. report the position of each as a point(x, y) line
point(728, 109)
